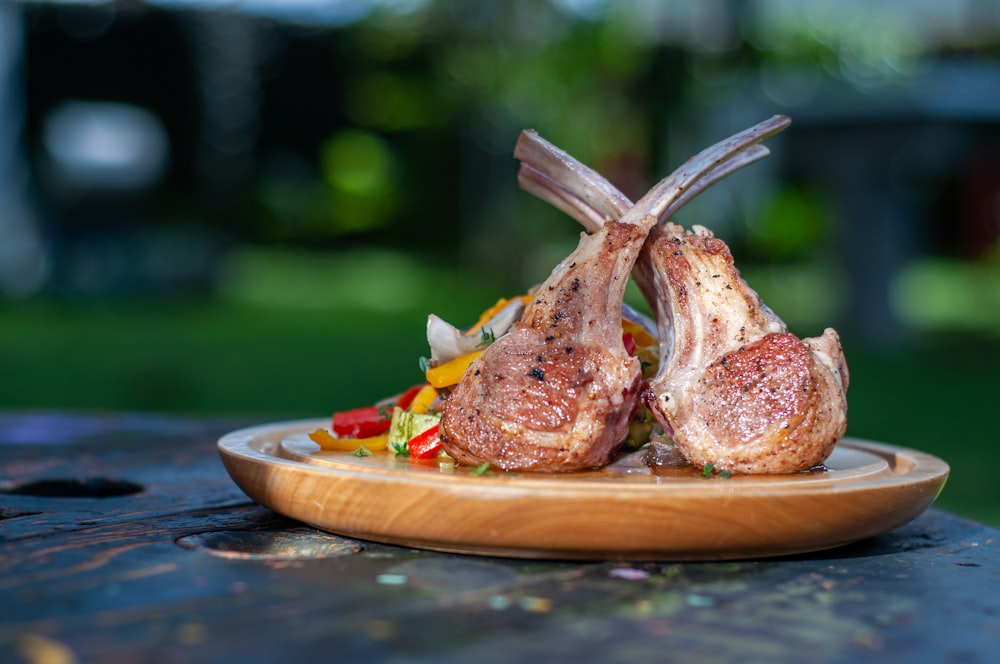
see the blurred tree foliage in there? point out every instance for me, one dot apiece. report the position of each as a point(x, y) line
point(429, 105)
point(425, 101)
point(394, 126)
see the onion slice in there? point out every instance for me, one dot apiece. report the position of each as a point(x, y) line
point(448, 342)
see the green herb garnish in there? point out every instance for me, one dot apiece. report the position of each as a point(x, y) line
point(362, 451)
point(480, 469)
point(486, 337)
point(709, 471)
point(401, 449)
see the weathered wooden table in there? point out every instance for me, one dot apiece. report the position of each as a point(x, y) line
point(122, 539)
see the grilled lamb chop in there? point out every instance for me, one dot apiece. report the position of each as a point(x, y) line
point(556, 393)
point(735, 388)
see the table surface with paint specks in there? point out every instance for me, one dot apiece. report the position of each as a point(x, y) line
point(122, 539)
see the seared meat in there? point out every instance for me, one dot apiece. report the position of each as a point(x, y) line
point(735, 389)
point(557, 392)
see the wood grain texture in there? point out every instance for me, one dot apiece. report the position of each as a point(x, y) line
point(869, 489)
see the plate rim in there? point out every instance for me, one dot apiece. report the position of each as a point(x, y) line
point(925, 477)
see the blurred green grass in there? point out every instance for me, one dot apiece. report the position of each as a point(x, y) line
point(199, 357)
point(271, 362)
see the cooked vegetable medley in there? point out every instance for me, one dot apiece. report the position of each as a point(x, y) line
point(407, 424)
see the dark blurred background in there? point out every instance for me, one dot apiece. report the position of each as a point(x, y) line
point(251, 206)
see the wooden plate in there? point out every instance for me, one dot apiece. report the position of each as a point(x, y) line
point(623, 512)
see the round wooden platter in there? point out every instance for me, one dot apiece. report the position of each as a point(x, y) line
point(621, 512)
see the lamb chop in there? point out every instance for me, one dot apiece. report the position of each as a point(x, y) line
point(556, 393)
point(734, 389)
point(737, 389)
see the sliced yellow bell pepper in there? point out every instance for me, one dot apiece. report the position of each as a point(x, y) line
point(449, 373)
point(423, 399)
point(639, 334)
point(328, 441)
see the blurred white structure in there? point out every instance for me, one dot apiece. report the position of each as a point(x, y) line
point(104, 146)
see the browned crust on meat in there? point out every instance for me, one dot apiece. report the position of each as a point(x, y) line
point(735, 388)
point(766, 409)
point(557, 392)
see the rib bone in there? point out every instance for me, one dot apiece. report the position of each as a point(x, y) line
point(557, 392)
point(734, 388)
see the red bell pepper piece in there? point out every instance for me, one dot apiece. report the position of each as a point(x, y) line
point(406, 398)
point(629, 342)
point(425, 445)
point(361, 422)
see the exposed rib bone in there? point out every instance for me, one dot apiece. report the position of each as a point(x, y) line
point(560, 179)
point(734, 388)
point(587, 196)
point(558, 391)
